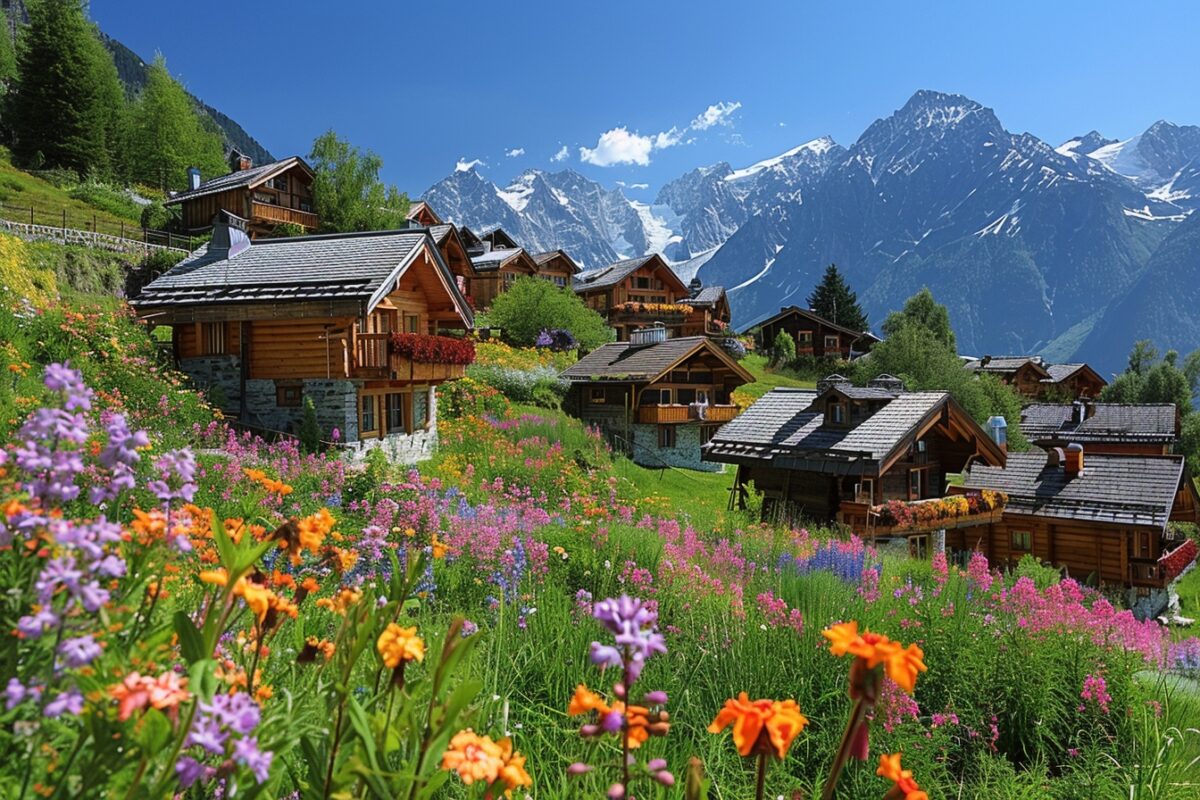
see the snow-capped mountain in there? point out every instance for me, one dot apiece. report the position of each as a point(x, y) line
point(1021, 241)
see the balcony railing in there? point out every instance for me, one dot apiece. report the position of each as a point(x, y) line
point(420, 358)
point(665, 312)
point(282, 214)
point(676, 413)
point(922, 516)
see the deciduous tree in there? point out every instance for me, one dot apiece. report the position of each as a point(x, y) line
point(921, 309)
point(532, 305)
point(347, 191)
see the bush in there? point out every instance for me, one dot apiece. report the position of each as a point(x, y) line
point(310, 431)
point(533, 305)
point(158, 217)
point(522, 385)
point(288, 229)
point(783, 349)
point(107, 198)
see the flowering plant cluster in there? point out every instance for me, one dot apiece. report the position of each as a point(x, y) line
point(426, 349)
point(559, 340)
point(902, 514)
point(661, 309)
point(1173, 563)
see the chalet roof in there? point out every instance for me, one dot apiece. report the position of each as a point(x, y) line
point(440, 232)
point(1108, 422)
point(785, 428)
point(494, 259)
point(499, 238)
point(420, 206)
point(547, 257)
point(624, 361)
point(1004, 364)
point(708, 296)
point(1119, 489)
point(614, 273)
point(815, 317)
point(346, 266)
point(244, 178)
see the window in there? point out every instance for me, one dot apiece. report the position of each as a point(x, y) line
point(411, 323)
point(597, 395)
point(835, 413)
point(831, 343)
point(280, 182)
point(1022, 541)
point(212, 338)
point(367, 422)
point(652, 397)
point(666, 436)
point(641, 282)
point(395, 413)
point(306, 205)
point(707, 432)
point(916, 477)
point(420, 409)
point(288, 395)
point(866, 491)
point(509, 279)
point(804, 337)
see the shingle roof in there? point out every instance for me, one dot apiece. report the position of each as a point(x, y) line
point(1109, 422)
point(1121, 489)
point(608, 276)
point(784, 312)
point(1001, 364)
point(239, 179)
point(545, 258)
point(494, 259)
point(355, 266)
point(708, 296)
point(783, 428)
point(440, 232)
point(1060, 372)
point(633, 363)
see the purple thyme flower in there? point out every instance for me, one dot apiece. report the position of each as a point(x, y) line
point(190, 771)
point(80, 651)
point(246, 753)
point(69, 702)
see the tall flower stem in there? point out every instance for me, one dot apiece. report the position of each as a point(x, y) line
point(761, 780)
point(858, 715)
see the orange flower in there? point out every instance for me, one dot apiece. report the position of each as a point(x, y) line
point(137, 691)
point(340, 602)
point(397, 645)
point(217, 577)
point(760, 725)
point(438, 546)
point(585, 700)
point(901, 663)
point(906, 787)
point(478, 758)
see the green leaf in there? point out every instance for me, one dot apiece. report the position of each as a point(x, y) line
point(225, 546)
point(191, 643)
point(202, 679)
point(152, 732)
point(362, 727)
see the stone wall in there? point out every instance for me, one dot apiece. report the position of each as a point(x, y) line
point(101, 241)
point(401, 448)
point(220, 377)
point(685, 453)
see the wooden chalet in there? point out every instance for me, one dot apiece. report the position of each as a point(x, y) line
point(636, 293)
point(453, 248)
point(1072, 382)
point(344, 320)
point(814, 335)
point(1034, 379)
point(422, 214)
point(710, 312)
point(556, 266)
point(1109, 428)
point(1103, 518)
point(833, 454)
point(496, 270)
point(657, 399)
point(497, 239)
point(266, 197)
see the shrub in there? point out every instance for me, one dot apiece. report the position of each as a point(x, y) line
point(158, 217)
point(107, 198)
point(310, 431)
point(783, 349)
point(286, 229)
point(522, 385)
point(532, 305)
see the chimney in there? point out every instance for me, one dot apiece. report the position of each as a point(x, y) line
point(694, 287)
point(983, 362)
point(228, 236)
point(1055, 457)
point(1089, 409)
point(1073, 466)
point(997, 428)
point(193, 179)
point(239, 161)
point(1078, 413)
point(834, 381)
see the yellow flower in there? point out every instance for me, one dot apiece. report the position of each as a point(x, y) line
point(397, 645)
point(760, 726)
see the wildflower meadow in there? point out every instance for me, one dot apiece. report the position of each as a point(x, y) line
point(196, 612)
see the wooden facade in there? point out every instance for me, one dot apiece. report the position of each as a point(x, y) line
point(1072, 382)
point(710, 313)
point(557, 267)
point(814, 335)
point(270, 196)
point(422, 214)
point(496, 271)
point(636, 294)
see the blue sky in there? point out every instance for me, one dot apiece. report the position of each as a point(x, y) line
point(650, 90)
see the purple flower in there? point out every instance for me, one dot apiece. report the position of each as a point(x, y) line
point(246, 753)
point(69, 702)
point(80, 651)
point(604, 655)
point(34, 625)
point(238, 712)
point(16, 693)
point(177, 481)
point(612, 721)
point(190, 771)
point(92, 597)
point(207, 733)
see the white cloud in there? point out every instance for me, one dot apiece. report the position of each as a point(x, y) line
point(563, 154)
point(516, 151)
point(783, 124)
point(618, 146)
point(625, 185)
point(716, 114)
point(466, 166)
point(621, 146)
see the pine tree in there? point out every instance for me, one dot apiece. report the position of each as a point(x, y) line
point(167, 134)
point(833, 300)
point(67, 98)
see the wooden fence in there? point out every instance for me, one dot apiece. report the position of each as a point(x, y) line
point(69, 226)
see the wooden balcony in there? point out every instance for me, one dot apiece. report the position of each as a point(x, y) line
point(861, 519)
point(1146, 572)
point(373, 358)
point(279, 215)
point(676, 414)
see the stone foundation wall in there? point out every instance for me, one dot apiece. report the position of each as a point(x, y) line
point(219, 377)
point(685, 454)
